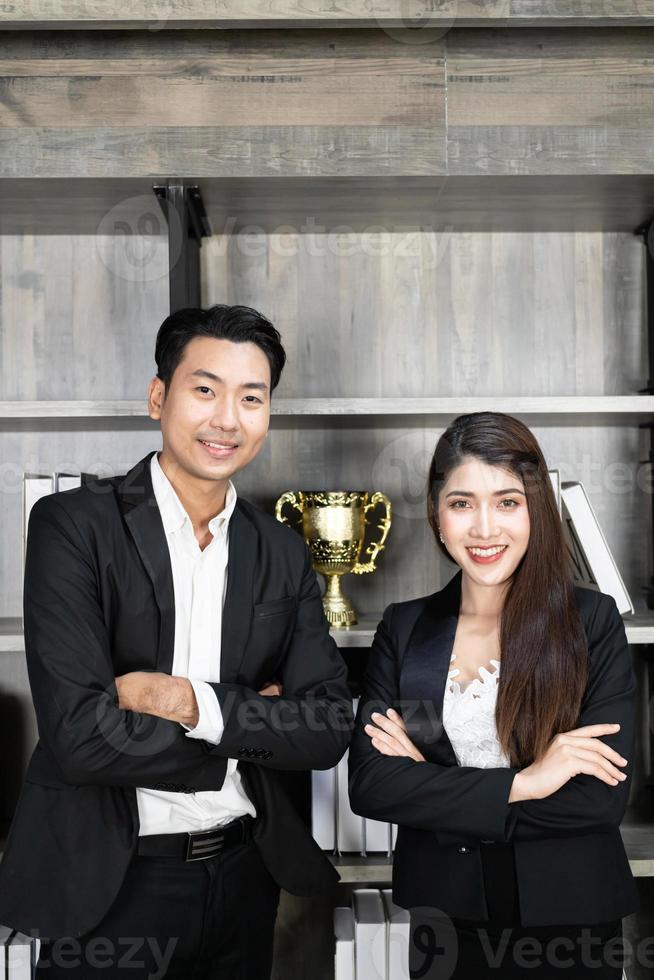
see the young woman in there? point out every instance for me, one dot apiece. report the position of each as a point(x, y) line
point(496, 728)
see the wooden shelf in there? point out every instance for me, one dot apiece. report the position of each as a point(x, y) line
point(87, 205)
point(365, 105)
point(376, 869)
point(246, 14)
point(546, 410)
point(638, 839)
point(11, 634)
point(639, 628)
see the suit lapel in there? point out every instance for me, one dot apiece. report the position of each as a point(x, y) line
point(143, 519)
point(139, 507)
point(424, 672)
point(237, 610)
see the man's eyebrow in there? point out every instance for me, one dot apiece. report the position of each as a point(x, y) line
point(200, 373)
point(496, 493)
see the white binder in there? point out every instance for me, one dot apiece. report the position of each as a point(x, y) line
point(344, 951)
point(398, 932)
point(369, 934)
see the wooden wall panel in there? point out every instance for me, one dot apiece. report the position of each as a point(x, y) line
point(200, 104)
point(376, 314)
point(390, 458)
point(443, 313)
point(162, 14)
point(542, 102)
point(450, 314)
point(326, 104)
point(79, 314)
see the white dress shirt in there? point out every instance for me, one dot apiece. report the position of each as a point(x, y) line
point(200, 583)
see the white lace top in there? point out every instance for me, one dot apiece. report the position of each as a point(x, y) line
point(469, 719)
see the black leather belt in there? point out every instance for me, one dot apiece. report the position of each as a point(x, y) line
point(197, 845)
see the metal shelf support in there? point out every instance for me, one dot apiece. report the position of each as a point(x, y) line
point(188, 224)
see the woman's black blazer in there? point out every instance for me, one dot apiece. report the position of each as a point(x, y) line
point(571, 864)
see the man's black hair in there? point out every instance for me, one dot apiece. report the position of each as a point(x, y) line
point(239, 324)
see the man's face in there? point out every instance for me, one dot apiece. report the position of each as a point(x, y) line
point(219, 393)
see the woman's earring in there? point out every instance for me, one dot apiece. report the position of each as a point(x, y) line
point(440, 535)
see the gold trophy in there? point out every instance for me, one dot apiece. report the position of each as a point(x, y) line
point(334, 528)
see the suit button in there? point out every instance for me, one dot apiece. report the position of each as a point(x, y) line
point(463, 850)
point(242, 752)
point(268, 755)
point(261, 753)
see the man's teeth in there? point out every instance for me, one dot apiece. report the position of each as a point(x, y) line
point(487, 552)
point(218, 445)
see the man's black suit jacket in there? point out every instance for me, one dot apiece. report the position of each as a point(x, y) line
point(571, 864)
point(99, 603)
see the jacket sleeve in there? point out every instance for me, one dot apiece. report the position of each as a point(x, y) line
point(309, 725)
point(459, 800)
point(72, 677)
point(586, 804)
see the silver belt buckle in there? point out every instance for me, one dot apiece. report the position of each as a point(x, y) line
point(203, 844)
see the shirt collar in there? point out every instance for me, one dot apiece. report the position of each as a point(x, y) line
point(173, 513)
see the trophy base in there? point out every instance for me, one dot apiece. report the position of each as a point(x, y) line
point(340, 619)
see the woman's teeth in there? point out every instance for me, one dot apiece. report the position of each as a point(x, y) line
point(487, 552)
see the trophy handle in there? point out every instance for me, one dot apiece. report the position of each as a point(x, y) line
point(288, 497)
point(384, 525)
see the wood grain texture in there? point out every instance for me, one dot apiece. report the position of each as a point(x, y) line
point(397, 14)
point(236, 151)
point(445, 314)
point(322, 205)
point(401, 316)
point(538, 102)
point(327, 104)
point(242, 104)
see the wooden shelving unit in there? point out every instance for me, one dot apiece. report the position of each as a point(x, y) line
point(488, 119)
point(639, 629)
point(554, 410)
point(377, 870)
point(240, 14)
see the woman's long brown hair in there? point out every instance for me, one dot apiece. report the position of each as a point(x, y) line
point(544, 653)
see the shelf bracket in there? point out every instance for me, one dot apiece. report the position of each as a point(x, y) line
point(188, 224)
point(646, 232)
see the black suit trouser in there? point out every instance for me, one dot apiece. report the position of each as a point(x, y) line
point(200, 920)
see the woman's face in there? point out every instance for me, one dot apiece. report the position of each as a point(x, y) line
point(484, 520)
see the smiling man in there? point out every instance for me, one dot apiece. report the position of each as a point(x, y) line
point(178, 658)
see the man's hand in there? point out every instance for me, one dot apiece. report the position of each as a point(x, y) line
point(154, 693)
point(271, 688)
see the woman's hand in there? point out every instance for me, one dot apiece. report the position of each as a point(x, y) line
point(569, 754)
point(390, 737)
